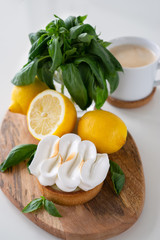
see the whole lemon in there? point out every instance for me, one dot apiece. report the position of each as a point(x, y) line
point(106, 130)
point(22, 96)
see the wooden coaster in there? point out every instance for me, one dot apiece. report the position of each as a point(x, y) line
point(101, 218)
point(130, 104)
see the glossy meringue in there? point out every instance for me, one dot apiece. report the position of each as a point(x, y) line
point(69, 163)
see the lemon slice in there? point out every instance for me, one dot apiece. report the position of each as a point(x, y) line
point(51, 113)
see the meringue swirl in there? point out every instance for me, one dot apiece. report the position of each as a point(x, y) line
point(69, 163)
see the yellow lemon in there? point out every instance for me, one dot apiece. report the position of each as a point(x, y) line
point(22, 96)
point(107, 131)
point(51, 113)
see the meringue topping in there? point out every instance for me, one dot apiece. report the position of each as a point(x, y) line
point(69, 163)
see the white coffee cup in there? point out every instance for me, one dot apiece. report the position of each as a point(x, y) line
point(137, 82)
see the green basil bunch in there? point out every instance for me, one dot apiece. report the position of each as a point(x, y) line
point(73, 49)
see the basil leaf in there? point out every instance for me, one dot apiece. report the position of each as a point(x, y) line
point(111, 65)
point(34, 36)
point(94, 65)
point(87, 77)
point(117, 176)
point(98, 87)
point(88, 80)
point(69, 54)
point(80, 19)
point(29, 162)
point(33, 205)
point(53, 27)
point(66, 45)
point(97, 49)
point(17, 155)
point(38, 46)
point(56, 54)
point(95, 92)
point(51, 209)
point(60, 23)
point(85, 37)
point(44, 73)
point(113, 80)
point(103, 43)
point(27, 74)
point(100, 95)
point(70, 22)
point(117, 65)
point(77, 30)
point(70, 51)
point(73, 82)
point(63, 30)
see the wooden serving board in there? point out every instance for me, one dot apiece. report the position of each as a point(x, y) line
point(103, 217)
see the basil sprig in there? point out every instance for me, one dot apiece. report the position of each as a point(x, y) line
point(17, 155)
point(50, 208)
point(33, 205)
point(71, 47)
point(39, 203)
point(117, 176)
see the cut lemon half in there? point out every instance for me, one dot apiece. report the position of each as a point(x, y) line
point(51, 113)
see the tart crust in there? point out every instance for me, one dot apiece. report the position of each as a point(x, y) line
point(68, 198)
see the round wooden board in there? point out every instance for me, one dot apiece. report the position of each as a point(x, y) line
point(131, 104)
point(103, 217)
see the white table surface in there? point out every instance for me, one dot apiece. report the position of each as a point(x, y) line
point(112, 18)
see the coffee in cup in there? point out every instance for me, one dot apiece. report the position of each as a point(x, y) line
point(132, 56)
point(139, 58)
